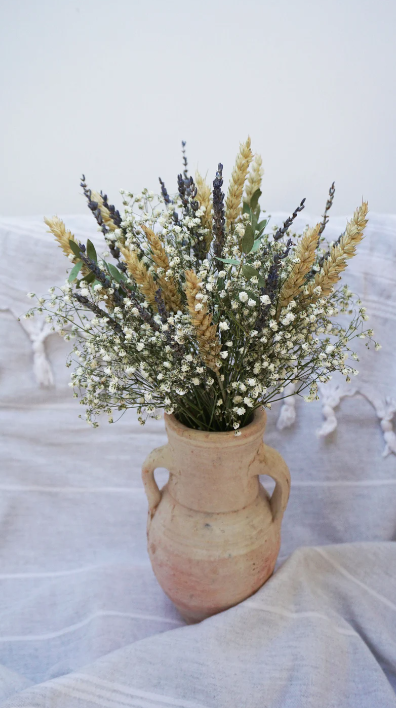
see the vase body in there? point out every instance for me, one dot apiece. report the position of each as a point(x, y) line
point(213, 531)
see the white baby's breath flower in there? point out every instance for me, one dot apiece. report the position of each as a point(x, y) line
point(244, 297)
point(251, 303)
point(224, 355)
point(265, 300)
point(224, 326)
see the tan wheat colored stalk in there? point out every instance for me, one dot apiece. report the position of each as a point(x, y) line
point(206, 332)
point(255, 176)
point(305, 251)
point(96, 197)
point(141, 276)
point(62, 234)
point(333, 266)
point(204, 197)
point(168, 286)
point(237, 181)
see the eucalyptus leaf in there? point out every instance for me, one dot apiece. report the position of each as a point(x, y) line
point(250, 272)
point(246, 209)
point(74, 247)
point(228, 260)
point(262, 224)
point(220, 283)
point(257, 244)
point(74, 272)
point(114, 272)
point(91, 252)
point(248, 239)
point(254, 199)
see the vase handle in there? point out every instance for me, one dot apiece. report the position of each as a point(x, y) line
point(275, 467)
point(160, 457)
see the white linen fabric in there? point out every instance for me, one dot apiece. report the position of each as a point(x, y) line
point(83, 621)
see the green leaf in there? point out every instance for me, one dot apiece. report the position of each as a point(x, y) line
point(261, 225)
point(250, 272)
point(254, 199)
point(248, 239)
point(114, 272)
point(74, 247)
point(88, 278)
point(256, 245)
point(91, 252)
point(246, 209)
point(220, 283)
point(228, 260)
point(74, 272)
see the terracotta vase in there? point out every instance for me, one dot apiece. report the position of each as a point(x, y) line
point(213, 531)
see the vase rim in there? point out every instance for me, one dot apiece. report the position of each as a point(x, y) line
point(255, 428)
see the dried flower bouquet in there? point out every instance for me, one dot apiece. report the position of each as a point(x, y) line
point(204, 312)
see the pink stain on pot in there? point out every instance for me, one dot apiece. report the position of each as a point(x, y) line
point(213, 532)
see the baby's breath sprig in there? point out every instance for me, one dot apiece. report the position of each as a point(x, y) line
point(205, 313)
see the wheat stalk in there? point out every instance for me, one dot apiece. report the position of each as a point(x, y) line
point(237, 181)
point(305, 252)
point(204, 197)
point(206, 332)
point(339, 253)
point(141, 276)
point(96, 197)
point(168, 286)
point(253, 182)
point(62, 235)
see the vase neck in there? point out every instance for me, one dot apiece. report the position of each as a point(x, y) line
point(212, 472)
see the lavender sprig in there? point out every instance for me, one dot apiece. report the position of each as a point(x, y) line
point(323, 224)
point(271, 287)
point(118, 299)
point(281, 231)
point(164, 192)
point(95, 208)
point(113, 212)
point(185, 163)
point(328, 206)
point(99, 312)
point(218, 212)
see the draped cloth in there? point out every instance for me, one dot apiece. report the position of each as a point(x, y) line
point(83, 621)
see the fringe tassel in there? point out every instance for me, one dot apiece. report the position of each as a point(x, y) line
point(287, 415)
point(38, 332)
point(331, 395)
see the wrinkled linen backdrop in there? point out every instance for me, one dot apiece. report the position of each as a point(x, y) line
point(83, 621)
